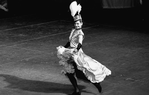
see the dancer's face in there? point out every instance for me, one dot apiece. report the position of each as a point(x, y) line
point(78, 24)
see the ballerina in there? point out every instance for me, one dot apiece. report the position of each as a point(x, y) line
point(76, 63)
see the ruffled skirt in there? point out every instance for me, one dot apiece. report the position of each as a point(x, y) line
point(93, 70)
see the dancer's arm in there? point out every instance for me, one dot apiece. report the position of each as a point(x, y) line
point(80, 42)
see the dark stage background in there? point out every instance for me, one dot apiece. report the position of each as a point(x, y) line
point(92, 11)
point(31, 30)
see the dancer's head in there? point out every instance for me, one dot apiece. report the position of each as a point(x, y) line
point(78, 24)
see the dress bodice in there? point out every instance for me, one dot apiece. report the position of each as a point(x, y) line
point(76, 37)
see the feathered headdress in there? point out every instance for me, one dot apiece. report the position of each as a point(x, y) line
point(75, 11)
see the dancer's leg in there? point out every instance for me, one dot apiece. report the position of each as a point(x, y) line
point(73, 81)
point(98, 86)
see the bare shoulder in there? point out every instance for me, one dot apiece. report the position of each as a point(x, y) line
point(80, 32)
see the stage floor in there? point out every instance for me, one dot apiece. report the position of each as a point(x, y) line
point(29, 64)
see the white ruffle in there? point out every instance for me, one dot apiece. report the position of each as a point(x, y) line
point(94, 70)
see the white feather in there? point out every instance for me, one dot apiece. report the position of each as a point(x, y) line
point(74, 8)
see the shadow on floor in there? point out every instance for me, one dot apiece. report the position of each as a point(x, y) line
point(37, 86)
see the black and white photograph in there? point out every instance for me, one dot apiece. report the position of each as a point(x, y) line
point(74, 47)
